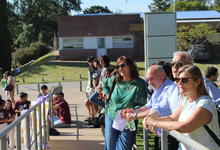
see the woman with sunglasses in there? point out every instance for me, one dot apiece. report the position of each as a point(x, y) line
point(129, 91)
point(197, 110)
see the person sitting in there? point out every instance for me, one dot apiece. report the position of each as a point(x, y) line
point(22, 103)
point(44, 92)
point(3, 115)
point(196, 111)
point(62, 112)
point(211, 74)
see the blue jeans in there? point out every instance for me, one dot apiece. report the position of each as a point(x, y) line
point(95, 100)
point(117, 140)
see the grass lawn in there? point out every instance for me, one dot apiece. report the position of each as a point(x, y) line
point(44, 70)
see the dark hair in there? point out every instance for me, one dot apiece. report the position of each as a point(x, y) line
point(167, 69)
point(105, 59)
point(211, 71)
point(132, 65)
point(59, 93)
point(2, 102)
point(44, 87)
point(90, 58)
point(23, 94)
point(196, 74)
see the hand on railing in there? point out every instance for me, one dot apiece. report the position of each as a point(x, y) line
point(150, 124)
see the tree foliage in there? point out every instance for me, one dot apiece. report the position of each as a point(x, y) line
point(96, 10)
point(37, 20)
point(159, 5)
point(190, 35)
point(188, 5)
point(5, 49)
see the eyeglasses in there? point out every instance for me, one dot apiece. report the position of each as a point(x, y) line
point(121, 66)
point(182, 80)
point(177, 64)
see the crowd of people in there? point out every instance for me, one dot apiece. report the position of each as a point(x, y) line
point(180, 98)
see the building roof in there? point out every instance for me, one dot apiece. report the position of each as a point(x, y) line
point(96, 25)
point(202, 14)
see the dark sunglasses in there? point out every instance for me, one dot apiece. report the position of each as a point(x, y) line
point(121, 66)
point(182, 80)
point(177, 64)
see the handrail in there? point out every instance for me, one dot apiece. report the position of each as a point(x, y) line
point(38, 143)
point(183, 139)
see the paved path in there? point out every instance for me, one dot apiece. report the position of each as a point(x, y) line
point(79, 136)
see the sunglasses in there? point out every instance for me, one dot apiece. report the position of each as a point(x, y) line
point(121, 66)
point(177, 64)
point(182, 80)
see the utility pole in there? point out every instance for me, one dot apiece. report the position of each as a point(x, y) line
point(174, 5)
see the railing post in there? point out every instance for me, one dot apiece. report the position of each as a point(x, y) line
point(80, 82)
point(164, 137)
point(51, 114)
point(18, 136)
point(3, 143)
point(145, 138)
point(38, 87)
point(27, 133)
point(44, 125)
point(34, 119)
point(40, 127)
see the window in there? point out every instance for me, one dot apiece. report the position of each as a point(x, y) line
point(73, 43)
point(123, 42)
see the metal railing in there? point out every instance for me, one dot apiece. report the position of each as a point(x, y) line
point(181, 138)
point(39, 125)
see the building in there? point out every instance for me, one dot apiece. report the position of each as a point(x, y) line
point(117, 34)
point(93, 35)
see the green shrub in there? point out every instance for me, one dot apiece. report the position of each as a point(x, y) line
point(34, 51)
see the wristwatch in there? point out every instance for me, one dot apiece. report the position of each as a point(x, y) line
point(134, 115)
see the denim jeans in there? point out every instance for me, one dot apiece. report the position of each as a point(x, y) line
point(118, 140)
point(95, 100)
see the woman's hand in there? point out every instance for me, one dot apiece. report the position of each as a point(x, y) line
point(126, 113)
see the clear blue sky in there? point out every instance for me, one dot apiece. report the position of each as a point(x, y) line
point(119, 5)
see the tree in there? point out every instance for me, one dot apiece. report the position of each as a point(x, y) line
point(5, 49)
point(38, 19)
point(96, 10)
point(192, 35)
point(187, 5)
point(159, 5)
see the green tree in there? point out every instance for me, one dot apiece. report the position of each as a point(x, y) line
point(96, 10)
point(38, 19)
point(159, 5)
point(187, 5)
point(5, 49)
point(189, 35)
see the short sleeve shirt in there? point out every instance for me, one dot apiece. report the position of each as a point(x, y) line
point(200, 134)
point(21, 105)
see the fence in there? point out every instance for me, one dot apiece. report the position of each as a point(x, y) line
point(36, 133)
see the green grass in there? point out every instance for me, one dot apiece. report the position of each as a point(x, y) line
point(55, 71)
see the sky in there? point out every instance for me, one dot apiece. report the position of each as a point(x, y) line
point(119, 5)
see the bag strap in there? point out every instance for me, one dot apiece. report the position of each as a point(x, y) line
point(213, 135)
point(110, 92)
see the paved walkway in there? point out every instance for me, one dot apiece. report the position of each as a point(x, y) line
point(79, 136)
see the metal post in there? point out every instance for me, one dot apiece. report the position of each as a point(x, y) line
point(38, 87)
point(18, 136)
point(27, 133)
point(59, 83)
point(145, 138)
point(164, 145)
point(3, 143)
point(40, 127)
point(51, 114)
point(80, 82)
point(44, 125)
point(17, 89)
point(35, 129)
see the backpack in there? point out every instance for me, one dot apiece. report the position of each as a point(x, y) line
point(9, 87)
point(54, 132)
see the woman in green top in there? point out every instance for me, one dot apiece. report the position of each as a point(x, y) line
point(129, 91)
